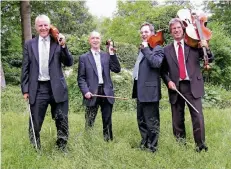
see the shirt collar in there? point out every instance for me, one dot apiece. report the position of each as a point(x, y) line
point(176, 45)
point(47, 38)
point(93, 51)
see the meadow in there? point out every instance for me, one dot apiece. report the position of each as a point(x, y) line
point(87, 149)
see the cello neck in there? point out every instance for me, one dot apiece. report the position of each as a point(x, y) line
point(198, 25)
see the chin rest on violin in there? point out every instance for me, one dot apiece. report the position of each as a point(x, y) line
point(156, 39)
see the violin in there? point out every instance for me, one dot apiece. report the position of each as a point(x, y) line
point(156, 39)
point(109, 43)
point(195, 31)
point(54, 32)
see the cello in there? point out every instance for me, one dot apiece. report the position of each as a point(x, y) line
point(195, 31)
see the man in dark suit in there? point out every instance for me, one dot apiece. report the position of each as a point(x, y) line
point(181, 71)
point(42, 80)
point(147, 89)
point(94, 78)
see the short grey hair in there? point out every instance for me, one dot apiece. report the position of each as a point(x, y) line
point(42, 16)
point(95, 32)
point(151, 27)
point(175, 20)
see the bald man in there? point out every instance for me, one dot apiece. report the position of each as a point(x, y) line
point(94, 78)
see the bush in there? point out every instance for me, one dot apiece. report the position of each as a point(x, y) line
point(221, 47)
point(77, 46)
point(216, 96)
point(127, 54)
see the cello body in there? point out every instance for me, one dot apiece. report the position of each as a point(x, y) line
point(191, 22)
point(195, 31)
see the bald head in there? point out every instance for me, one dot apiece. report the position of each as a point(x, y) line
point(95, 40)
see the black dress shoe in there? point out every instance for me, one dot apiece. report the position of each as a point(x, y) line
point(143, 145)
point(202, 147)
point(152, 149)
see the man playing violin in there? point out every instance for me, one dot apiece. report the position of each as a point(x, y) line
point(181, 71)
point(147, 89)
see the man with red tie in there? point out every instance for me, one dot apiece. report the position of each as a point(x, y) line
point(181, 71)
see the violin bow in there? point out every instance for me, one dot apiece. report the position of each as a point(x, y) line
point(121, 98)
point(186, 100)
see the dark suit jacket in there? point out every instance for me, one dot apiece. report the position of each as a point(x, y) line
point(170, 69)
point(88, 75)
point(30, 70)
point(148, 87)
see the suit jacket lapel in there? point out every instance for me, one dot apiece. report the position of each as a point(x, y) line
point(173, 54)
point(35, 48)
point(53, 46)
point(92, 61)
point(102, 56)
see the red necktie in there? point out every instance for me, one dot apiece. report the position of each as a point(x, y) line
point(181, 62)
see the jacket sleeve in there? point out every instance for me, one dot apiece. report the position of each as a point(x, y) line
point(66, 57)
point(25, 70)
point(154, 57)
point(81, 79)
point(114, 64)
point(209, 53)
point(164, 72)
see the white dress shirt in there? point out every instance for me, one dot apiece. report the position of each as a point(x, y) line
point(44, 53)
point(96, 55)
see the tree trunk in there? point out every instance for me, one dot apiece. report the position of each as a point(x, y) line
point(3, 82)
point(25, 10)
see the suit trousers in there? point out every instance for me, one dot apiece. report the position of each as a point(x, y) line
point(178, 115)
point(106, 109)
point(59, 113)
point(148, 123)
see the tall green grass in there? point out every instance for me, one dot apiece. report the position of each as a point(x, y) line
point(88, 150)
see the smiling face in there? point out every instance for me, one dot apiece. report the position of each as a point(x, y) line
point(177, 31)
point(42, 25)
point(145, 33)
point(95, 41)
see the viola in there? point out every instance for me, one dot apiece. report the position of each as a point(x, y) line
point(156, 39)
point(195, 31)
point(54, 32)
point(109, 43)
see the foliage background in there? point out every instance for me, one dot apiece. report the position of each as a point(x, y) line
point(75, 22)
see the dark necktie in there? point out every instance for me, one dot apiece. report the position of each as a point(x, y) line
point(181, 62)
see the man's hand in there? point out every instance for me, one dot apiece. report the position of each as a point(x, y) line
point(171, 85)
point(26, 96)
point(145, 44)
point(204, 43)
point(111, 48)
point(88, 95)
point(62, 40)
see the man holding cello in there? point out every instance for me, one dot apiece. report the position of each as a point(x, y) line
point(182, 75)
